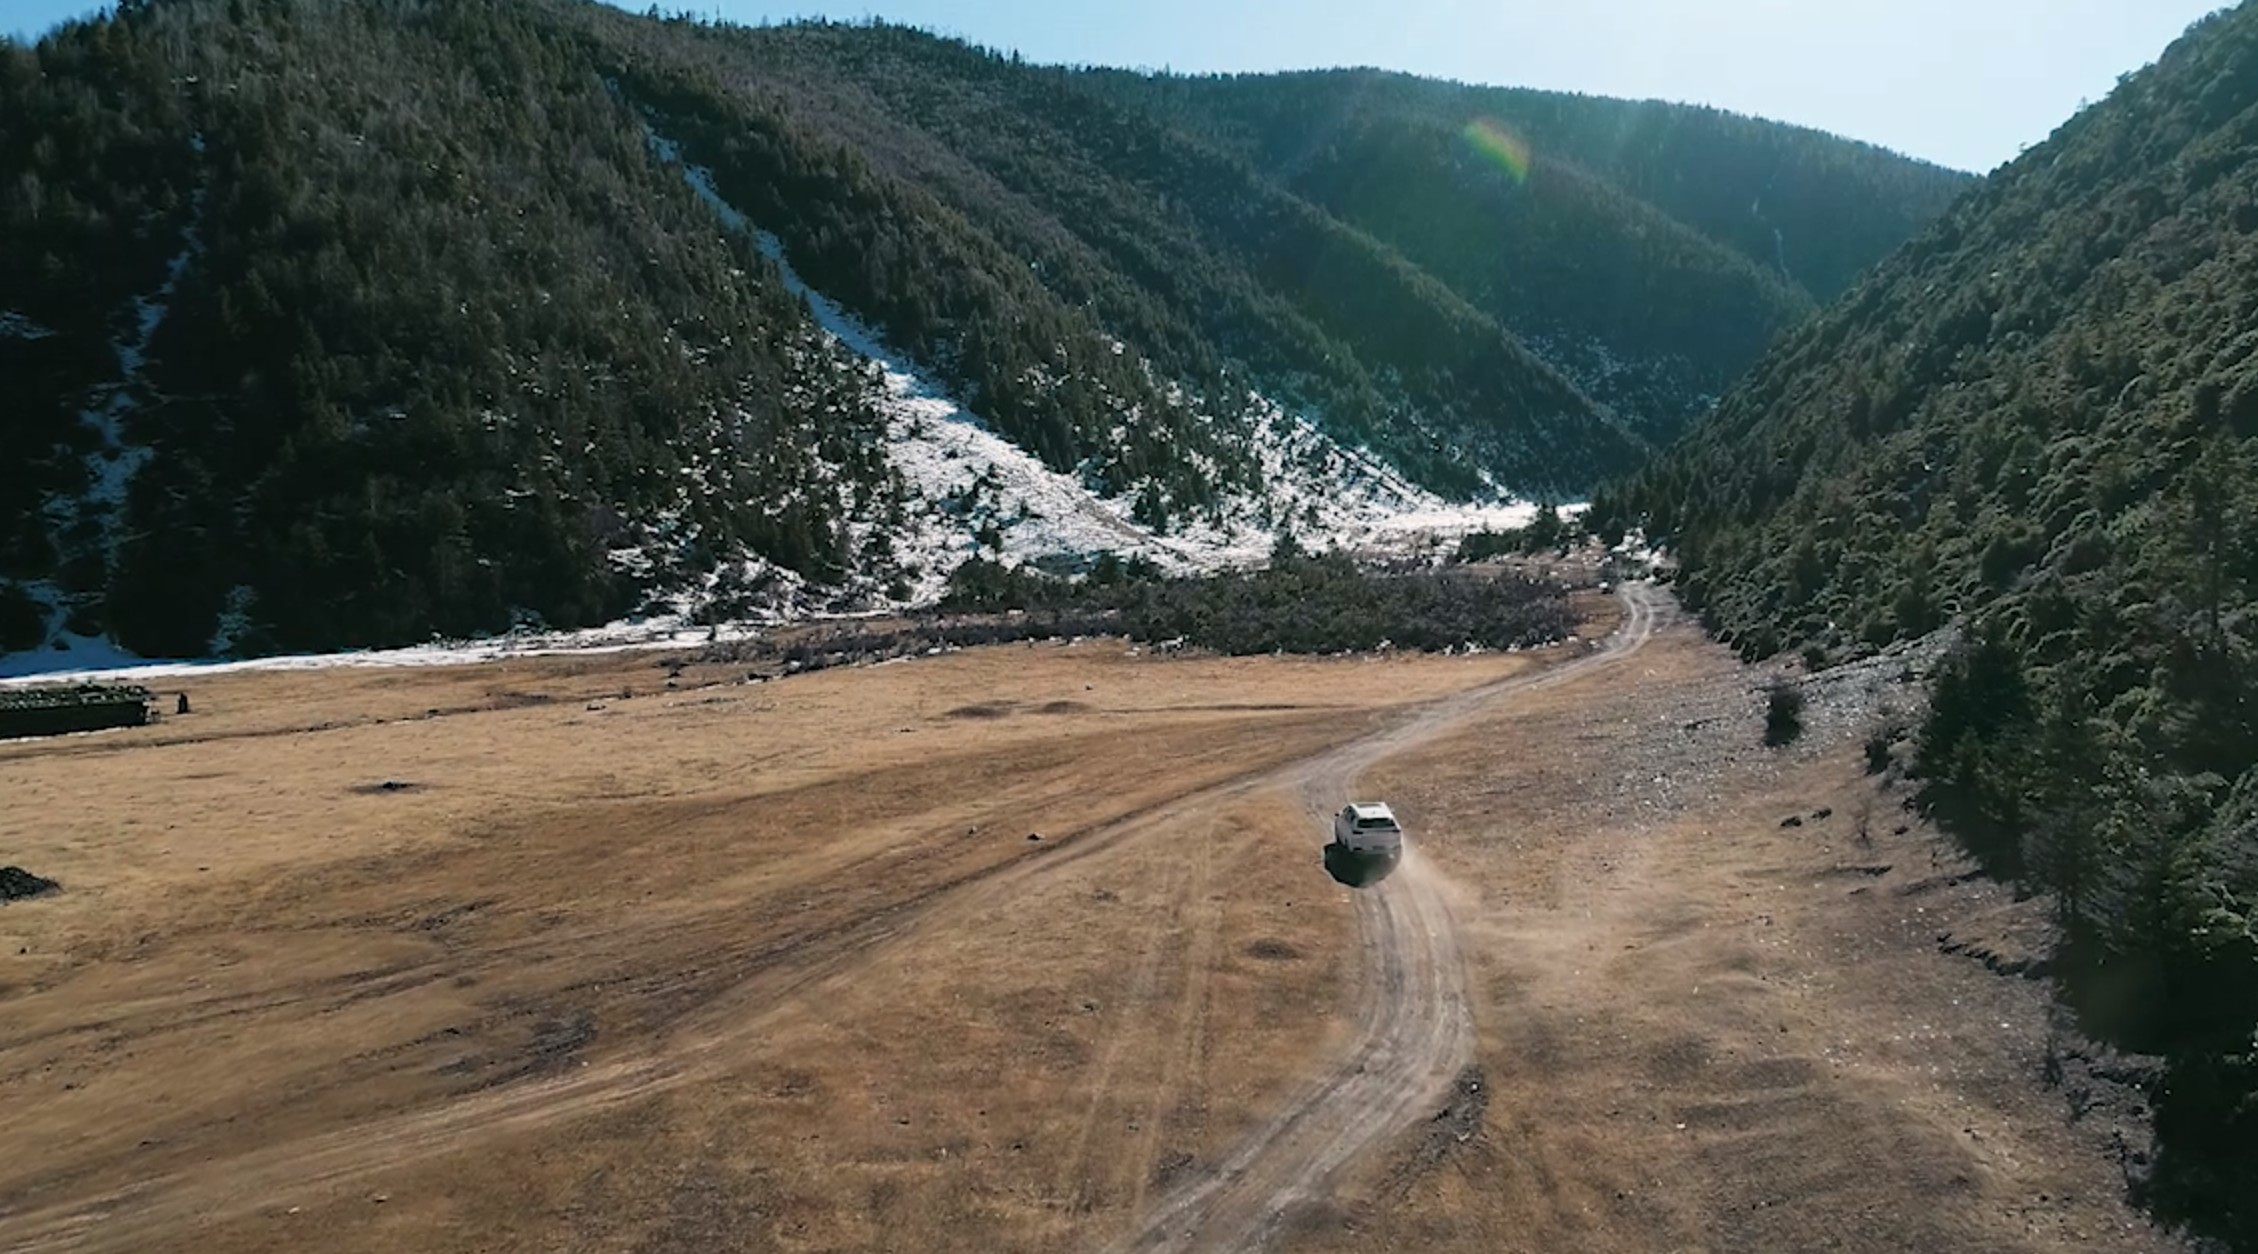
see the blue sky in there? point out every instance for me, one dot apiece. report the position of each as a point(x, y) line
point(1967, 83)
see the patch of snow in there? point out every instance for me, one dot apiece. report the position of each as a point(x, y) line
point(88, 658)
point(1332, 497)
point(64, 650)
point(110, 468)
point(115, 464)
point(70, 656)
point(234, 621)
point(1636, 557)
point(15, 326)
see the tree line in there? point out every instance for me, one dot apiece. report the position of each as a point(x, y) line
point(2039, 422)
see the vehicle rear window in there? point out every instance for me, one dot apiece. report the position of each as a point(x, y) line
point(1370, 823)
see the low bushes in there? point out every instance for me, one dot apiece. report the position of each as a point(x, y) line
point(1300, 604)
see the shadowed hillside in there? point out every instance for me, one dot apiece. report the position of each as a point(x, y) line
point(2040, 419)
point(1652, 250)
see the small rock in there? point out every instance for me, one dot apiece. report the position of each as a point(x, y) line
point(1034, 835)
point(1793, 820)
point(17, 884)
point(1822, 814)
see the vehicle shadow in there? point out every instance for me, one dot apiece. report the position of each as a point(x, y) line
point(1359, 870)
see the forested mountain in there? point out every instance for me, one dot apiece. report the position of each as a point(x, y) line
point(1651, 250)
point(969, 190)
point(2040, 419)
point(342, 324)
point(351, 323)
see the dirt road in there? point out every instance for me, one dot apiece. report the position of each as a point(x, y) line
point(530, 957)
point(1414, 1031)
point(689, 994)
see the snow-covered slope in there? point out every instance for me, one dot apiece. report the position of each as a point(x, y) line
point(94, 515)
point(98, 659)
point(111, 467)
point(974, 493)
point(966, 492)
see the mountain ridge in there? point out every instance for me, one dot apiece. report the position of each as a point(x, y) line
point(349, 325)
point(1642, 174)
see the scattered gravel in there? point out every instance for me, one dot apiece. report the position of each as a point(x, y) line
point(1681, 739)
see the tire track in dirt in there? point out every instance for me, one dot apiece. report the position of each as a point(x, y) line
point(1414, 1029)
point(701, 1048)
point(1154, 941)
point(1255, 1184)
point(1189, 1037)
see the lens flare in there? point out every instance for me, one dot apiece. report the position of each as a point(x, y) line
point(1503, 148)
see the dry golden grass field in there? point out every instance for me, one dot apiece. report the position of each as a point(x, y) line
point(552, 955)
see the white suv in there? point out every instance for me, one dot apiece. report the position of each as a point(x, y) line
point(1368, 827)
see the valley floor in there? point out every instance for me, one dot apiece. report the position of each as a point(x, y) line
point(1016, 948)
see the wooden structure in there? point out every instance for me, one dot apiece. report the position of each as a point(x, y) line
point(80, 707)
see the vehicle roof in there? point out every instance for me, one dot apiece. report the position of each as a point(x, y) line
point(1371, 810)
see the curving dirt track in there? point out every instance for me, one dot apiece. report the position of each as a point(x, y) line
point(1411, 1032)
point(1414, 1031)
